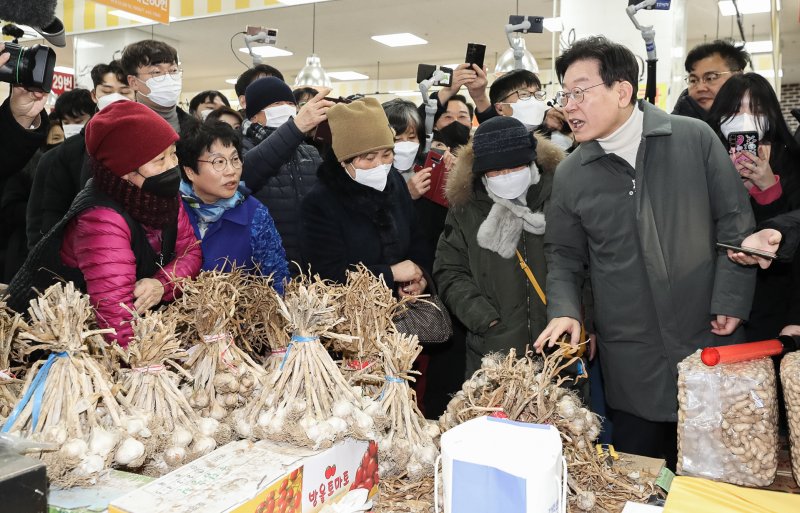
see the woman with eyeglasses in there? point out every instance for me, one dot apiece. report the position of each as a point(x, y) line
point(126, 237)
point(233, 227)
point(747, 116)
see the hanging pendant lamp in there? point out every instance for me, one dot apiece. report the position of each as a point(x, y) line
point(313, 74)
point(507, 61)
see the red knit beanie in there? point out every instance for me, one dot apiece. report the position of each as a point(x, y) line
point(126, 135)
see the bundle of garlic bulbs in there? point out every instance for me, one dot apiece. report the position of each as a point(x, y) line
point(9, 385)
point(408, 446)
point(77, 409)
point(150, 386)
point(308, 402)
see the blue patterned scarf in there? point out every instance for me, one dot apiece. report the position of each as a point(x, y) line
point(209, 213)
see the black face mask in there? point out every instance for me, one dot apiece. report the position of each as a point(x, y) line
point(165, 184)
point(454, 135)
point(48, 147)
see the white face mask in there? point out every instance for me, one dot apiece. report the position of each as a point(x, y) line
point(510, 185)
point(70, 130)
point(745, 122)
point(404, 154)
point(280, 114)
point(375, 177)
point(563, 141)
point(105, 101)
point(530, 112)
point(204, 114)
point(165, 91)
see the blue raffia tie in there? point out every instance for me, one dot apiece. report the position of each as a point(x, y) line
point(36, 390)
point(390, 379)
point(299, 340)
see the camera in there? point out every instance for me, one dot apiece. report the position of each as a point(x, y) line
point(31, 67)
point(660, 5)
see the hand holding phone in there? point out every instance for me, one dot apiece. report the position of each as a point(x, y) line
point(475, 54)
point(748, 251)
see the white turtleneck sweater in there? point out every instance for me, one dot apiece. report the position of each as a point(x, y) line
point(626, 139)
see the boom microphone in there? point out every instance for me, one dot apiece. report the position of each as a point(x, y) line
point(35, 13)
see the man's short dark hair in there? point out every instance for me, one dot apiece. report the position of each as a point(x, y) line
point(250, 75)
point(205, 96)
point(75, 104)
point(512, 81)
point(101, 70)
point(215, 115)
point(304, 92)
point(455, 98)
point(198, 139)
point(736, 57)
point(616, 62)
point(147, 53)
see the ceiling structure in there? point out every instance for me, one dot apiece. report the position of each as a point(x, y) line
point(344, 29)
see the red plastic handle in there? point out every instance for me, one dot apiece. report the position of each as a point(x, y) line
point(740, 352)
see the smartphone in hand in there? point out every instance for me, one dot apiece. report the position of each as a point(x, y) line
point(475, 54)
point(748, 251)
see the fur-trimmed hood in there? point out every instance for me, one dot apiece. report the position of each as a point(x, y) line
point(460, 181)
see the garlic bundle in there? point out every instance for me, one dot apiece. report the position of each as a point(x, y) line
point(78, 410)
point(151, 387)
point(308, 402)
point(9, 386)
point(225, 376)
point(409, 445)
point(528, 389)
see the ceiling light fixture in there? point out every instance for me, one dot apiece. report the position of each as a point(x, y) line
point(405, 92)
point(506, 61)
point(726, 7)
point(347, 75)
point(759, 46)
point(231, 81)
point(313, 74)
point(401, 39)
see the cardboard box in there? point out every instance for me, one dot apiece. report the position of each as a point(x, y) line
point(95, 499)
point(259, 477)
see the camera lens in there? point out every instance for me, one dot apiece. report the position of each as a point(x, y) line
point(30, 67)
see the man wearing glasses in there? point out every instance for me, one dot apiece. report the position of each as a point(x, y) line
point(153, 74)
point(642, 201)
point(708, 67)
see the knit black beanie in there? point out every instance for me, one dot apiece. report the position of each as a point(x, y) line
point(264, 92)
point(502, 143)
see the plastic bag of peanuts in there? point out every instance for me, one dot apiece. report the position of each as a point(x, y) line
point(790, 380)
point(728, 421)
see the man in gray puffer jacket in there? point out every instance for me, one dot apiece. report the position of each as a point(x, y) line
point(279, 167)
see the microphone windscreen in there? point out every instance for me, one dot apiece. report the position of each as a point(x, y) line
point(35, 13)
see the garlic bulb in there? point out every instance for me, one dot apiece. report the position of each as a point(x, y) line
point(203, 445)
point(55, 434)
point(339, 425)
point(342, 408)
point(174, 456)
point(182, 437)
point(218, 412)
point(91, 464)
point(432, 429)
point(263, 419)
point(74, 449)
point(243, 428)
point(134, 425)
point(102, 442)
point(208, 426)
point(129, 451)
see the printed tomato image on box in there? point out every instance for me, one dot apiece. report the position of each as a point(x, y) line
point(285, 496)
point(329, 479)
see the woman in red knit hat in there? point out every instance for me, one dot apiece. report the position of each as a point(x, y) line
point(126, 236)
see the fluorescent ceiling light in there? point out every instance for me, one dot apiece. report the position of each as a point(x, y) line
point(64, 69)
point(401, 39)
point(554, 24)
point(726, 7)
point(347, 75)
point(135, 17)
point(759, 46)
point(405, 92)
point(231, 81)
point(267, 51)
point(451, 66)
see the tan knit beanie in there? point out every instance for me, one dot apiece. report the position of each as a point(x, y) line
point(359, 127)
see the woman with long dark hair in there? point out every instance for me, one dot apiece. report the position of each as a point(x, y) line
point(748, 103)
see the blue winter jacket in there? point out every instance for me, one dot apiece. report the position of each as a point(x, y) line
point(244, 235)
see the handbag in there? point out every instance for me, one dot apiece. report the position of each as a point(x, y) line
point(427, 318)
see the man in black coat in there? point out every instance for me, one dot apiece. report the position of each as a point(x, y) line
point(63, 172)
point(279, 167)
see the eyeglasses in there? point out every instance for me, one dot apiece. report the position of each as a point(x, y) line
point(524, 94)
point(160, 76)
point(220, 163)
point(563, 97)
point(708, 78)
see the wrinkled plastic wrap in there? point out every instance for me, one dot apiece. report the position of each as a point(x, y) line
point(728, 421)
point(790, 381)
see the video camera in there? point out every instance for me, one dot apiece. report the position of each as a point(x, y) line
point(30, 67)
point(534, 24)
